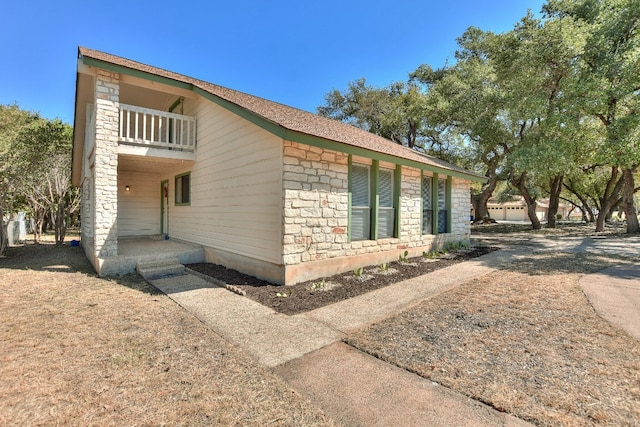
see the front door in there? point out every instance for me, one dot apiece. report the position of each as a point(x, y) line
point(164, 207)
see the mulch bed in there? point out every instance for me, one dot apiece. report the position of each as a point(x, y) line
point(313, 294)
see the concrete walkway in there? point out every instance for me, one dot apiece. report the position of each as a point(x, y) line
point(615, 295)
point(352, 387)
point(306, 350)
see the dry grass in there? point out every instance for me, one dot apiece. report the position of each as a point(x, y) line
point(79, 350)
point(526, 341)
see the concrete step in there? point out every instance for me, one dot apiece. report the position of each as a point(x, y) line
point(160, 261)
point(160, 268)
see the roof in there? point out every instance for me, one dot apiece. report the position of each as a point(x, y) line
point(290, 119)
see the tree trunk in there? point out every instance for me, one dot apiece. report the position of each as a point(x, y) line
point(587, 212)
point(627, 201)
point(38, 221)
point(479, 201)
point(521, 185)
point(555, 187)
point(609, 198)
point(60, 223)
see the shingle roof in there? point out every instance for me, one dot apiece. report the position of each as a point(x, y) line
point(289, 118)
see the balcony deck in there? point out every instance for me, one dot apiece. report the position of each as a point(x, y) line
point(144, 127)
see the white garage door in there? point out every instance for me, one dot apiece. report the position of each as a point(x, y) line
point(516, 214)
point(496, 213)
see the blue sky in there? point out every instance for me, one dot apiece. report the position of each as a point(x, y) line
point(292, 52)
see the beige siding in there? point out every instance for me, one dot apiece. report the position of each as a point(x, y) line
point(138, 208)
point(236, 187)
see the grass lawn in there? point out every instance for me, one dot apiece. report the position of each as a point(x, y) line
point(524, 340)
point(79, 350)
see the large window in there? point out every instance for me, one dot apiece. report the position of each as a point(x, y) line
point(183, 189)
point(373, 210)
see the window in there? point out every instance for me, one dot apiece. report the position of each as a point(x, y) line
point(386, 211)
point(373, 204)
point(360, 202)
point(443, 214)
point(435, 204)
point(183, 189)
point(427, 205)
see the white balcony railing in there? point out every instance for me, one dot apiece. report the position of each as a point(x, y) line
point(154, 128)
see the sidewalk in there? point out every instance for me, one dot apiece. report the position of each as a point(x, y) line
point(615, 295)
point(306, 349)
point(357, 389)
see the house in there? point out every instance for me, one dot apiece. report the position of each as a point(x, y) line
point(516, 210)
point(269, 190)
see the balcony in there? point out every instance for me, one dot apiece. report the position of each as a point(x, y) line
point(153, 129)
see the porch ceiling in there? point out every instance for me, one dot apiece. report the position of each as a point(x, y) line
point(155, 165)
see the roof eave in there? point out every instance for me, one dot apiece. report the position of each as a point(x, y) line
point(270, 126)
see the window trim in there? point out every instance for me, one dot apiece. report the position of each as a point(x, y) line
point(175, 184)
point(435, 179)
point(393, 207)
point(370, 200)
point(374, 199)
point(422, 204)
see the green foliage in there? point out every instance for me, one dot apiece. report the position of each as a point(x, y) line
point(358, 271)
point(318, 285)
point(284, 294)
point(384, 266)
point(403, 257)
point(396, 112)
point(35, 168)
point(548, 107)
point(429, 255)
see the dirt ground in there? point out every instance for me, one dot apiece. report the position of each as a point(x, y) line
point(524, 340)
point(79, 350)
point(318, 293)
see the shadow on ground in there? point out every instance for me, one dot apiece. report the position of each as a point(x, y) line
point(64, 259)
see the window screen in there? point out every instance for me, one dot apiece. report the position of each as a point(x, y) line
point(427, 205)
point(386, 211)
point(360, 203)
point(442, 206)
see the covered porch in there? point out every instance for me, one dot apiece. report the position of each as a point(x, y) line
point(146, 249)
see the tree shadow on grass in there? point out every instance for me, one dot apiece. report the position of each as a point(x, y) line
point(64, 259)
point(552, 262)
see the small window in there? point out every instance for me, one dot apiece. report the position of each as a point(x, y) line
point(360, 203)
point(427, 205)
point(183, 189)
point(386, 211)
point(443, 214)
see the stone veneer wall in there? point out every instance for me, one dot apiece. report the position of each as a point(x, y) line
point(105, 194)
point(316, 203)
point(316, 211)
